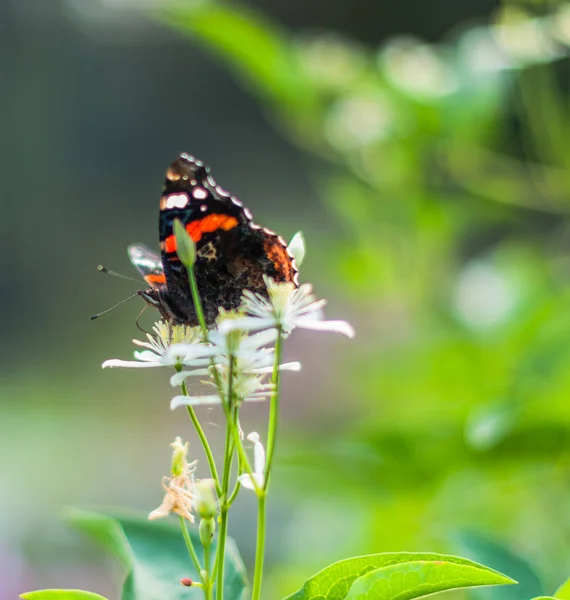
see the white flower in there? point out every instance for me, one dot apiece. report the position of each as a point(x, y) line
point(257, 476)
point(250, 361)
point(170, 346)
point(287, 307)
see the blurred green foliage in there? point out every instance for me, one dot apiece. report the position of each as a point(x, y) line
point(447, 168)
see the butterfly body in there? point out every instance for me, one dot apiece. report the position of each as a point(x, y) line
point(232, 252)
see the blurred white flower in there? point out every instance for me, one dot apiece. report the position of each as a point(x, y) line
point(560, 24)
point(357, 121)
point(416, 68)
point(525, 40)
point(331, 61)
point(484, 296)
point(257, 476)
point(170, 346)
point(480, 54)
point(287, 307)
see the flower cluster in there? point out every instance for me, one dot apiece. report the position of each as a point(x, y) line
point(240, 349)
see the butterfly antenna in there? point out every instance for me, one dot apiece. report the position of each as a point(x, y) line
point(112, 307)
point(103, 269)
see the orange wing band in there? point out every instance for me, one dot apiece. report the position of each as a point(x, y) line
point(197, 228)
point(152, 279)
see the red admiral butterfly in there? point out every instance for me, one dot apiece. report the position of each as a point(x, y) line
point(232, 252)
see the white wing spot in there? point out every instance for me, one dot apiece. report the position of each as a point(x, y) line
point(204, 208)
point(221, 191)
point(176, 201)
point(200, 193)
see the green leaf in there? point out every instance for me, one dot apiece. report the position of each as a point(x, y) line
point(155, 556)
point(491, 552)
point(254, 45)
point(421, 578)
point(61, 595)
point(335, 581)
point(546, 598)
point(563, 592)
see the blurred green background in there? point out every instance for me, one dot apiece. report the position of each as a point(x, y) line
point(423, 150)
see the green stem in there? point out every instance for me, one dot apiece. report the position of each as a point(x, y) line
point(190, 547)
point(209, 580)
point(197, 302)
point(260, 546)
point(204, 440)
point(224, 507)
point(227, 411)
point(273, 408)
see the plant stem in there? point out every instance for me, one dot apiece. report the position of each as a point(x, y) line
point(224, 506)
point(273, 407)
point(197, 302)
point(204, 440)
point(190, 547)
point(262, 494)
point(260, 546)
point(209, 580)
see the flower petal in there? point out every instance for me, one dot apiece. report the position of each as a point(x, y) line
point(246, 324)
point(290, 366)
point(146, 355)
point(178, 378)
point(255, 341)
point(130, 364)
point(296, 248)
point(144, 344)
point(316, 325)
point(187, 352)
point(258, 453)
point(178, 401)
point(246, 480)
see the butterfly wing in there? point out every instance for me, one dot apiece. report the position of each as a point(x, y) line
point(232, 252)
point(148, 263)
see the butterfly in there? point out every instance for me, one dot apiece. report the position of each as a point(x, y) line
point(232, 252)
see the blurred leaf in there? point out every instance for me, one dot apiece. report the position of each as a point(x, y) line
point(563, 592)
point(499, 557)
point(251, 43)
point(155, 556)
point(422, 578)
point(335, 581)
point(61, 595)
point(546, 598)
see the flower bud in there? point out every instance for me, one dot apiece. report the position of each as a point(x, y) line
point(187, 582)
point(185, 247)
point(178, 457)
point(297, 248)
point(207, 529)
point(204, 499)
